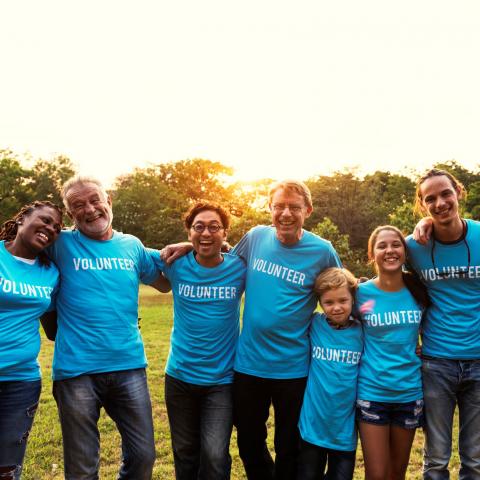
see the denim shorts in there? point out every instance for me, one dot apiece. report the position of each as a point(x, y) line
point(406, 415)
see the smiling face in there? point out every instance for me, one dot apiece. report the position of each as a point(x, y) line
point(37, 230)
point(289, 212)
point(207, 245)
point(440, 200)
point(388, 252)
point(91, 210)
point(337, 304)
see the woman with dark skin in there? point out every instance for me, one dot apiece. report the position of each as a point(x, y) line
point(27, 282)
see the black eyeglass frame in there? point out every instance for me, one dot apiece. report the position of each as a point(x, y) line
point(212, 227)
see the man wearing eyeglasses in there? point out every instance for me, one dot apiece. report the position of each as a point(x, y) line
point(207, 287)
point(272, 359)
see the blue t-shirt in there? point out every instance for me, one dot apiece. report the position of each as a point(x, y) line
point(279, 301)
point(97, 304)
point(390, 368)
point(25, 294)
point(451, 328)
point(327, 418)
point(206, 311)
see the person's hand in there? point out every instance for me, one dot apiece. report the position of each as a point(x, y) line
point(418, 350)
point(171, 252)
point(423, 230)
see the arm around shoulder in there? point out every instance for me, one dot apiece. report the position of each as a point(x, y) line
point(423, 230)
point(171, 252)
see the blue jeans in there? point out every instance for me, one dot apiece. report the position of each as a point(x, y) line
point(124, 396)
point(18, 404)
point(201, 422)
point(312, 461)
point(447, 383)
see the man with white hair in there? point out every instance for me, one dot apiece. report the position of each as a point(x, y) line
point(99, 358)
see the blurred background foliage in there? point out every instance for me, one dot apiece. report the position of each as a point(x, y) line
point(150, 202)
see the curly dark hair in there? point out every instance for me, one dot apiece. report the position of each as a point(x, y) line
point(9, 229)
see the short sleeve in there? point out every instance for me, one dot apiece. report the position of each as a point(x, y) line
point(148, 270)
point(241, 249)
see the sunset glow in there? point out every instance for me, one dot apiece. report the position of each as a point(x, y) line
point(272, 88)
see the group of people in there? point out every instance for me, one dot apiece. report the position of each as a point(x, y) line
point(384, 357)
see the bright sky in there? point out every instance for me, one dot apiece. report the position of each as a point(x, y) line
point(271, 87)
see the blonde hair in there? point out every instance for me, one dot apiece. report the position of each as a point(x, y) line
point(292, 186)
point(333, 278)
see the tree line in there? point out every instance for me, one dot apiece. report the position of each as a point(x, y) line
point(150, 202)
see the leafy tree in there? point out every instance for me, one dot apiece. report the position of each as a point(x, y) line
point(403, 218)
point(147, 208)
point(151, 202)
point(253, 208)
point(13, 185)
point(353, 259)
point(250, 218)
point(199, 179)
point(472, 203)
point(48, 176)
point(357, 206)
point(465, 176)
point(338, 198)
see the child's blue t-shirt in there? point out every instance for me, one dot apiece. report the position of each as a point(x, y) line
point(25, 294)
point(451, 327)
point(97, 304)
point(206, 311)
point(327, 418)
point(279, 301)
point(390, 368)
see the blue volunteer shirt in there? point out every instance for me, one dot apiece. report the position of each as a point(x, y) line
point(206, 311)
point(25, 294)
point(97, 304)
point(327, 418)
point(451, 328)
point(390, 368)
point(279, 301)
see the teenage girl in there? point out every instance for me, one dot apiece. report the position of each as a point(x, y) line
point(389, 397)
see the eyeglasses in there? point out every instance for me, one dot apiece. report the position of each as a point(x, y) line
point(458, 273)
point(281, 207)
point(211, 227)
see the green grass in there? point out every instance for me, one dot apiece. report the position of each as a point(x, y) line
point(44, 454)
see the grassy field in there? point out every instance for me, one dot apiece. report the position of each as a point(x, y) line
point(44, 454)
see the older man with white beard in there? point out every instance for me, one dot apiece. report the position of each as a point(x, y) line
point(99, 358)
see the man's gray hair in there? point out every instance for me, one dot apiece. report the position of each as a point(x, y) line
point(79, 180)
